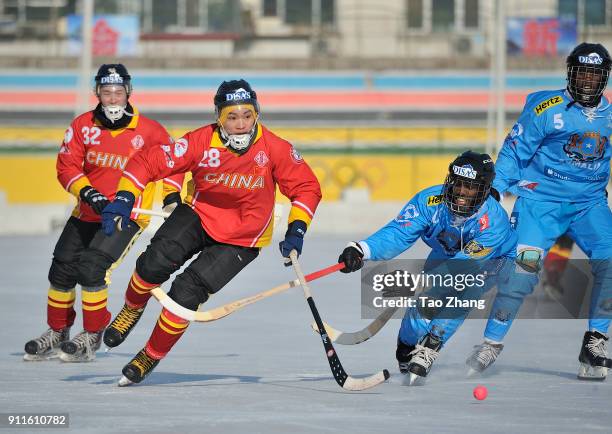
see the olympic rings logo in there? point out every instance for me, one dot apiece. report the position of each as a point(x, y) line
point(347, 173)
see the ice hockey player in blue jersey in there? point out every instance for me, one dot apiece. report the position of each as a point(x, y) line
point(461, 220)
point(557, 160)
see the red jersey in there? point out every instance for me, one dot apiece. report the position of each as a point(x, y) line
point(92, 154)
point(234, 194)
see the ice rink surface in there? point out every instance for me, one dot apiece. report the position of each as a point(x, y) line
point(262, 369)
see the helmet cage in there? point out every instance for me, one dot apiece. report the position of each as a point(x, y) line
point(478, 188)
point(586, 84)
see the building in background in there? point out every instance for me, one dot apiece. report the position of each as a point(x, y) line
point(307, 33)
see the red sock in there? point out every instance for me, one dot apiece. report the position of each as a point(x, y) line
point(95, 314)
point(167, 332)
point(60, 308)
point(138, 291)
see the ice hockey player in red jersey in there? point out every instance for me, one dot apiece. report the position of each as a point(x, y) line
point(236, 164)
point(96, 149)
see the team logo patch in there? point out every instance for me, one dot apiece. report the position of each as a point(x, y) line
point(502, 315)
point(516, 131)
point(180, 147)
point(545, 105)
point(514, 219)
point(591, 59)
point(408, 213)
point(527, 185)
point(68, 135)
point(434, 200)
point(588, 147)
point(465, 171)
point(483, 222)
point(296, 156)
point(137, 142)
point(168, 155)
point(476, 250)
point(261, 159)
point(113, 77)
point(238, 95)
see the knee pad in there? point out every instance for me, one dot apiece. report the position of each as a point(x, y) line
point(158, 262)
point(92, 268)
point(63, 275)
point(188, 291)
point(529, 258)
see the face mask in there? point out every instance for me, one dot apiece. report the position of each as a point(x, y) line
point(115, 112)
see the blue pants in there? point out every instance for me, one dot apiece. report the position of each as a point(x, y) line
point(538, 224)
point(418, 322)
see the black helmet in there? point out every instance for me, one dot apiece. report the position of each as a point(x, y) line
point(113, 73)
point(235, 92)
point(588, 69)
point(468, 183)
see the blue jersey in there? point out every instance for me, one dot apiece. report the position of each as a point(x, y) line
point(557, 152)
point(485, 235)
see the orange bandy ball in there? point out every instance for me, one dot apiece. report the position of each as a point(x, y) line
point(480, 392)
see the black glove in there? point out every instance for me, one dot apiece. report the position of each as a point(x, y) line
point(92, 197)
point(352, 256)
point(294, 239)
point(171, 201)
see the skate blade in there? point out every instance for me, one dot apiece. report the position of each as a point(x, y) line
point(592, 373)
point(124, 381)
point(40, 357)
point(71, 358)
point(411, 379)
point(471, 373)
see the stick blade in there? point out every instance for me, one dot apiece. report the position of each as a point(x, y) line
point(359, 336)
point(357, 384)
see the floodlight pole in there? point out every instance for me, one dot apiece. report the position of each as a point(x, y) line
point(84, 87)
point(500, 60)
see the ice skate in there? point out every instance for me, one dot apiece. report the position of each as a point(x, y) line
point(483, 356)
point(423, 356)
point(82, 348)
point(46, 346)
point(138, 369)
point(122, 325)
point(594, 361)
point(403, 354)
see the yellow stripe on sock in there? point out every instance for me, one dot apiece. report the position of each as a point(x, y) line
point(141, 284)
point(94, 297)
point(59, 305)
point(138, 291)
point(62, 295)
point(167, 330)
point(95, 307)
point(172, 323)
